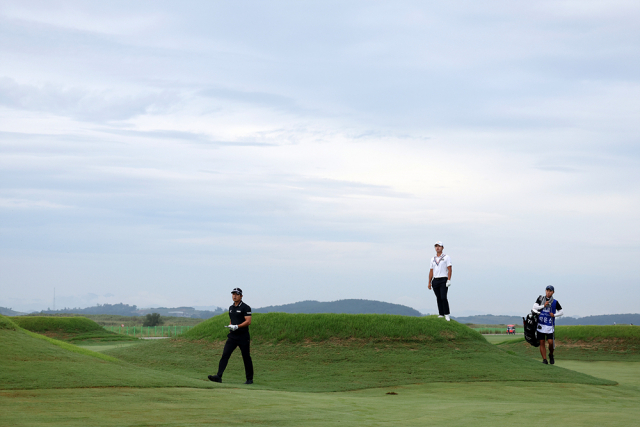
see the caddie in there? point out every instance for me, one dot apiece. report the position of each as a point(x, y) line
point(239, 321)
point(549, 309)
point(440, 279)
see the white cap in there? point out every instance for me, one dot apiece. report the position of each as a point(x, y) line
point(438, 243)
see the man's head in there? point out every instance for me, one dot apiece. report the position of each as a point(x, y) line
point(550, 291)
point(236, 294)
point(438, 245)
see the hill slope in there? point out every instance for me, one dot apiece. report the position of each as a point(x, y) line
point(345, 306)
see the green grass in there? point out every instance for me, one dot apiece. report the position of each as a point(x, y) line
point(7, 323)
point(71, 325)
point(69, 329)
point(494, 404)
point(33, 361)
point(497, 339)
point(452, 379)
point(589, 343)
point(297, 328)
point(325, 352)
point(630, 334)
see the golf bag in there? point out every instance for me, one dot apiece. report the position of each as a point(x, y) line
point(530, 324)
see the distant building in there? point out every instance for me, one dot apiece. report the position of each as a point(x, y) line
point(178, 314)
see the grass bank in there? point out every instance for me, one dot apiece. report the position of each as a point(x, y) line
point(70, 329)
point(588, 343)
point(297, 328)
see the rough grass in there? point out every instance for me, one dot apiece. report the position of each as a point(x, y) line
point(591, 343)
point(7, 323)
point(297, 328)
point(68, 328)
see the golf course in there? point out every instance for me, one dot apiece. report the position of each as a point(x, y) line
point(315, 369)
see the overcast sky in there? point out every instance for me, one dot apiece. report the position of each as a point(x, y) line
point(163, 153)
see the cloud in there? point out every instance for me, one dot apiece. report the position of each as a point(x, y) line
point(82, 104)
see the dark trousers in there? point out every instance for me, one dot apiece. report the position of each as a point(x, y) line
point(245, 349)
point(439, 286)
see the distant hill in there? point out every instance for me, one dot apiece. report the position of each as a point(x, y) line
point(344, 306)
point(605, 319)
point(119, 309)
point(133, 310)
point(9, 312)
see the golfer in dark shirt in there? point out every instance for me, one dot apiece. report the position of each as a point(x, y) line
point(239, 321)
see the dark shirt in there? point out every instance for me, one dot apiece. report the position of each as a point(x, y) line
point(236, 317)
point(542, 299)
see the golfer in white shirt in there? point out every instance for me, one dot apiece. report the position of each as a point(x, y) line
point(440, 279)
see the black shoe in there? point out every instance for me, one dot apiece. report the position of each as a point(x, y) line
point(543, 361)
point(551, 360)
point(215, 378)
point(248, 382)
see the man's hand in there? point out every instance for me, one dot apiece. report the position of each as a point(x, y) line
point(546, 303)
point(448, 283)
point(232, 327)
point(552, 315)
point(429, 285)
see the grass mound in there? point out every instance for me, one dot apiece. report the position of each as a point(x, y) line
point(297, 328)
point(6, 323)
point(31, 361)
point(336, 352)
point(68, 328)
point(588, 343)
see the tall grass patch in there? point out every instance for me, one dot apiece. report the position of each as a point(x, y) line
point(6, 323)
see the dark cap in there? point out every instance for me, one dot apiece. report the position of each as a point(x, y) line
point(237, 291)
point(548, 288)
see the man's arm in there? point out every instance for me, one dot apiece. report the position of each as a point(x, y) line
point(430, 277)
point(449, 268)
point(247, 322)
point(537, 306)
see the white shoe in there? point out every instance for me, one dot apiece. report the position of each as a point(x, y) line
point(440, 316)
point(446, 316)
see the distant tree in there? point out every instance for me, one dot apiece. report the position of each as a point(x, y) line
point(153, 319)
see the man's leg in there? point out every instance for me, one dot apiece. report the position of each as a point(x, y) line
point(245, 348)
point(436, 290)
point(551, 359)
point(443, 297)
point(229, 346)
point(543, 350)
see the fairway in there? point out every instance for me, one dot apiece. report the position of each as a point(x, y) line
point(442, 404)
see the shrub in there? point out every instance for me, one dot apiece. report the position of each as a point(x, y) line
point(153, 319)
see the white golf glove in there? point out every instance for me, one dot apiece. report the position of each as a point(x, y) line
point(448, 283)
point(232, 327)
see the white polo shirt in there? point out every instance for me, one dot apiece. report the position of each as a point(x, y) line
point(439, 266)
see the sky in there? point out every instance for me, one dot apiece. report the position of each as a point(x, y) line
point(162, 153)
